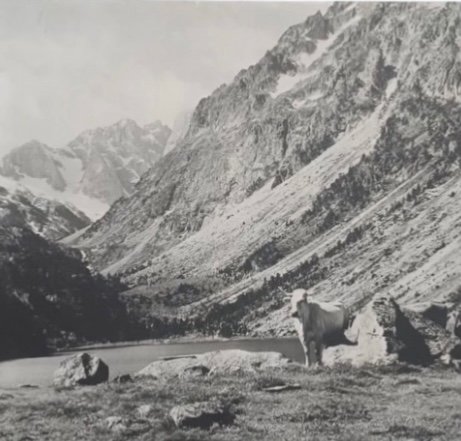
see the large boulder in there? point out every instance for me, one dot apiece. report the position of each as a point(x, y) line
point(201, 415)
point(385, 334)
point(209, 363)
point(81, 369)
point(434, 311)
point(438, 339)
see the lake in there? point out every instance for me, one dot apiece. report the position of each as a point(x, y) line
point(128, 359)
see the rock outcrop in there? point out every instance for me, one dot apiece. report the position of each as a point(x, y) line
point(217, 362)
point(386, 334)
point(81, 370)
point(113, 158)
point(437, 312)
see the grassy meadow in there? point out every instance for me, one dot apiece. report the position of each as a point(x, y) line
point(337, 404)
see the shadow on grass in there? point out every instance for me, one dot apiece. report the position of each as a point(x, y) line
point(397, 431)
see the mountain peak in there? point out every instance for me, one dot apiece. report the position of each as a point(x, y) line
point(125, 122)
point(155, 125)
point(34, 144)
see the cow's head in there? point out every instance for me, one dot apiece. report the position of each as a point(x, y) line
point(297, 297)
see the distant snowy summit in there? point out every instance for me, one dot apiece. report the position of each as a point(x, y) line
point(92, 171)
point(50, 219)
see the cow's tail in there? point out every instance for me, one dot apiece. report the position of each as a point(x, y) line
point(350, 321)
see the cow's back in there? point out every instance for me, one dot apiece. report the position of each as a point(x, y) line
point(325, 321)
point(334, 314)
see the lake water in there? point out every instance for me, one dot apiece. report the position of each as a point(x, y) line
point(128, 359)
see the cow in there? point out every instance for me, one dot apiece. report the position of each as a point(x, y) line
point(319, 325)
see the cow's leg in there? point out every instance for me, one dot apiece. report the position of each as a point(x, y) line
point(312, 356)
point(306, 352)
point(319, 347)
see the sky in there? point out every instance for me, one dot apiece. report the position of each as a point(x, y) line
point(67, 66)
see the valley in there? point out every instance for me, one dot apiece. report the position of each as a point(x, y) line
point(332, 164)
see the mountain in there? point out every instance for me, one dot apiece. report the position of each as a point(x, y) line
point(48, 218)
point(93, 170)
point(49, 298)
point(332, 163)
point(113, 158)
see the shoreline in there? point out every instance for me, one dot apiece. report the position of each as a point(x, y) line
point(166, 341)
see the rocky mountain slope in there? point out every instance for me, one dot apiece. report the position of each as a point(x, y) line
point(48, 218)
point(332, 163)
point(178, 130)
point(93, 170)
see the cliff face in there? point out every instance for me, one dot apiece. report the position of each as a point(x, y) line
point(348, 109)
point(113, 158)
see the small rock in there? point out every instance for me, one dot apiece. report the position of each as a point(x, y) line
point(28, 386)
point(201, 415)
point(5, 396)
point(453, 358)
point(126, 426)
point(137, 427)
point(196, 371)
point(81, 369)
point(282, 387)
point(144, 410)
point(226, 362)
point(122, 379)
point(115, 424)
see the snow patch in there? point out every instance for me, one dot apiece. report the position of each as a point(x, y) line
point(391, 87)
point(304, 60)
point(72, 170)
point(307, 100)
point(93, 208)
